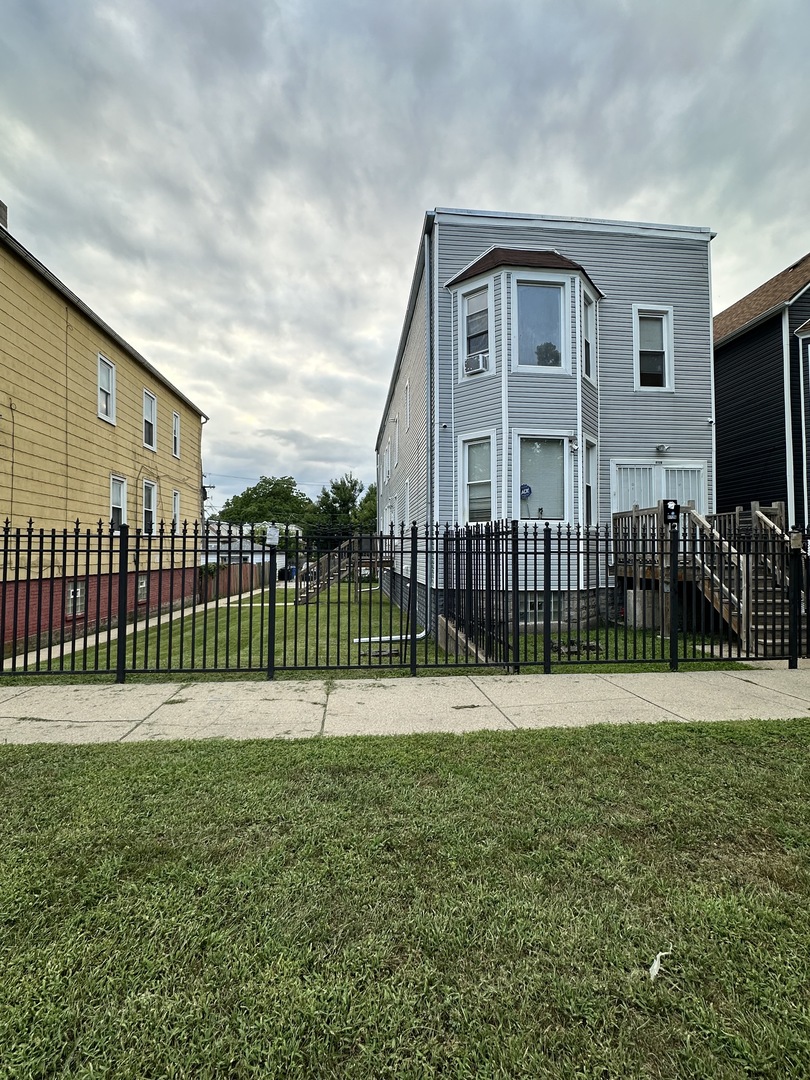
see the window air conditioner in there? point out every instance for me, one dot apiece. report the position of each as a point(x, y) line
point(476, 363)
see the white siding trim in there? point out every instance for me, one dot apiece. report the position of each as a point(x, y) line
point(504, 403)
point(579, 368)
point(791, 498)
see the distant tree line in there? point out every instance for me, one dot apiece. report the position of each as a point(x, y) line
point(341, 506)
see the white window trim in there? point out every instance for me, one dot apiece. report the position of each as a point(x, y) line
point(148, 395)
point(468, 290)
point(122, 480)
point(76, 591)
point(590, 444)
point(104, 362)
point(587, 295)
point(407, 404)
point(542, 277)
point(534, 433)
point(396, 441)
point(153, 486)
point(176, 509)
point(463, 440)
point(175, 433)
point(664, 311)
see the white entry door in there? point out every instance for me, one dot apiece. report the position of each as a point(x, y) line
point(643, 483)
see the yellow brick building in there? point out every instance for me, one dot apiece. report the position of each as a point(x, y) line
point(88, 428)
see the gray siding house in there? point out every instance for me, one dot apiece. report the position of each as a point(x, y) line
point(549, 369)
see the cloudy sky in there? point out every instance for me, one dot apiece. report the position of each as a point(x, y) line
point(238, 186)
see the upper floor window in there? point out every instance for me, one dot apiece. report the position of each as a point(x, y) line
point(588, 339)
point(407, 404)
point(652, 340)
point(106, 389)
point(149, 420)
point(477, 481)
point(176, 434)
point(476, 331)
point(540, 322)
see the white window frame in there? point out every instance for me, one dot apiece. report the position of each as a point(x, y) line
point(175, 434)
point(463, 491)
point(407, 511)
point(464, 296)
point(407, 404)
point(176, 509)
point(563, 283)
point(142, 589)
point(105, 365)
point(664, 312)
point(590, 479)
point(76, 600)
point(534, 433)
point(589, 305)
point(149, 485)
point(123, 504)
point(396, 441)
point(149, 396)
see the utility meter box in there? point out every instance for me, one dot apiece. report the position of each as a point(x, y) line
point(672, 511)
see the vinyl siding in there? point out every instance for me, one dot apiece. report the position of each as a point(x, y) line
point(750, 414)
point(629, 269)
point(56, 454)
point(798, 313)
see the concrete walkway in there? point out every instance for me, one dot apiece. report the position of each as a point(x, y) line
point(96, 712)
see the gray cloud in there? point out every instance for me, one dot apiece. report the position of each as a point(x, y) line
point(239, 189)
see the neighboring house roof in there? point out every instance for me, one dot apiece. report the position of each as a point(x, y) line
point(13, 245)
point(803, 329)
point(781, 290)
point(522, 257)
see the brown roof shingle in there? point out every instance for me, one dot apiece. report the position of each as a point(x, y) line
point(775, 293)
point(523, 257)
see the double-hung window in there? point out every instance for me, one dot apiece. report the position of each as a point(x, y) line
point(106, 389)
point(149, 503)
point(652, 339)
point(476, 332)
point(118, 501)
point(176, 434)
point(176, 509)
point(149, 420)
point(542, 477)
point(540, 324)
point(588, 339)
point(477, 483)
point(76, 599)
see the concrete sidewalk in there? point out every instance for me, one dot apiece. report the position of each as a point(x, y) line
point(90, 713)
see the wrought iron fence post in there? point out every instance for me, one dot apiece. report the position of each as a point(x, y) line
point(547, 599)
point(794, 597)
point(271, 614)
point(515, 593)
point(673, 598)
point(123, 560)
point(412, 595)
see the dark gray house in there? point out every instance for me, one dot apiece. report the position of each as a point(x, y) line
point(762, 395)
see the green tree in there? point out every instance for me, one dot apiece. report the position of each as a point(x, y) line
point(365, 516)
point(273, 498)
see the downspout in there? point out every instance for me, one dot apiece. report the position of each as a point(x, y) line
point(791, 492)
point(429, 419)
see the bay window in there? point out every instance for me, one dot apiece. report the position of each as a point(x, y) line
point(542, 477)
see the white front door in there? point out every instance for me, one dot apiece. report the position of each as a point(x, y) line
point(643, 483)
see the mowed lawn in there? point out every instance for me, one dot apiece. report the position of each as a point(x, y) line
point(477, 906)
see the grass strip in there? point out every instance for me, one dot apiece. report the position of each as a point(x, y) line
point(477, 906)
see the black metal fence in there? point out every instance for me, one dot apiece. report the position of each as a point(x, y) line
point(521, 596)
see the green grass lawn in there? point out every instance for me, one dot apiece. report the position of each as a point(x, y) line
point(477, 906)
